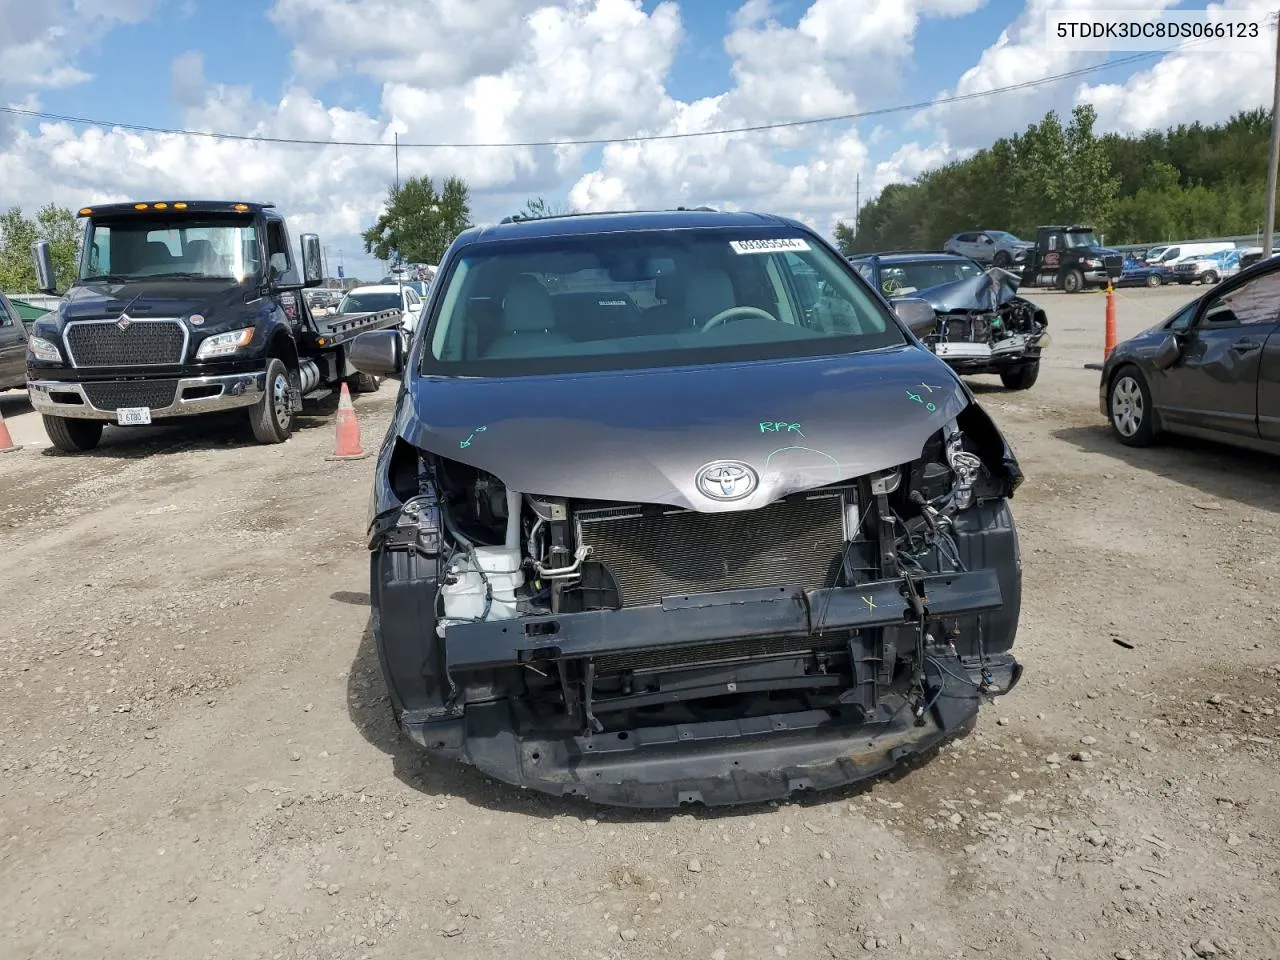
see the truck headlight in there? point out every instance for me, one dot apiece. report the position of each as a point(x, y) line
point(42, 349)
point(224, 344)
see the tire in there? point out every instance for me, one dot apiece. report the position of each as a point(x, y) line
point(72, 435)
point(1129, 409)
point(1073, 281)
point(363, 383)
point(1153, 280)
point(1209, 277)
point(271, 418)
point(1021, 377)
point(1001, 259)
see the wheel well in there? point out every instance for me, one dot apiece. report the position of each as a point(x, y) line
point(283, 348)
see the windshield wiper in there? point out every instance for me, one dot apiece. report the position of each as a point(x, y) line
point(107, 278)
point(185, 276)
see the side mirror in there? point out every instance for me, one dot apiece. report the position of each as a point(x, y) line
point(988, 241)
point(1169, 353)
point(917, 314)
point(379, 353)
point(42, 260)
point(312, 263)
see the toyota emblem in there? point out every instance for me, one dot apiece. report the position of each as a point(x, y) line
point(726, 480)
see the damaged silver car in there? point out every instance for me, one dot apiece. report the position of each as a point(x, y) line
point(983, 326)
point(674, 509)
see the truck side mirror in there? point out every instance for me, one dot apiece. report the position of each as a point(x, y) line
point(312, 263)
point(42, 260)
point(917, 314)
point(379, 353)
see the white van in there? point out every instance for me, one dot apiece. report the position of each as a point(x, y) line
point(1175, 253)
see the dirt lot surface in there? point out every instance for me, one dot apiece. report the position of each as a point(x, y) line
point(197, 760)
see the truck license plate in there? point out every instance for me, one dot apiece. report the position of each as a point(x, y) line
point(133, 416)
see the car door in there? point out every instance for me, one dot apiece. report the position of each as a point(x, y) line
point(13, 347)
point(1215, 383)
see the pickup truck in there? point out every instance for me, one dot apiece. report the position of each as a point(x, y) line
point(186, 308)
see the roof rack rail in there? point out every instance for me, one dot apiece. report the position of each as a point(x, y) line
point(701, 209)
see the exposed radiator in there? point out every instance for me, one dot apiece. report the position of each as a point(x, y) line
point(656, 552)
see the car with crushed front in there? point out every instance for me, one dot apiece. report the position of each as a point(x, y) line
point(674, 509)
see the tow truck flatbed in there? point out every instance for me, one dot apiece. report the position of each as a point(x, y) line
point(338, 328)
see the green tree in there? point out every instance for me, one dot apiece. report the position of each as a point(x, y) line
point(844, 238)
point(1187, 181)
point(536, 208)
point(17, 232)
point(417, 224)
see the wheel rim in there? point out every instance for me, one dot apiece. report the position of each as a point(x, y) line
point(1071, 284)
point(280, 400)
point(1126, 406)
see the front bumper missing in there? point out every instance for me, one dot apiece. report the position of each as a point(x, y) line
point(976, 357)
point(734, 761)
point(194, 395)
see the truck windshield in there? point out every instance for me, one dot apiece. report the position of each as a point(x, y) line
point(659, 298)
point(135, 248)
point(1081, 238)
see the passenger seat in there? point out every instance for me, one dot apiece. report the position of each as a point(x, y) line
point(528, 322)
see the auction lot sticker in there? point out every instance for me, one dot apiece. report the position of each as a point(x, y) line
point(779, 245)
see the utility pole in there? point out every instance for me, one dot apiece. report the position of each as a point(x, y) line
point(397, 161)
point(857, 203)
point(1269, 227)
point(325, 251)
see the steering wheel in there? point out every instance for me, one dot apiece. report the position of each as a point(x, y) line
point(724, 315)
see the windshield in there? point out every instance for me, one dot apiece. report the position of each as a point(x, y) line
point(372, 302)
point(132, 248)
point(900, 279)
point(1080, 238)
point(648, 298)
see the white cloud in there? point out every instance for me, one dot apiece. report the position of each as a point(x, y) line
point(1020, 55)
point(1189, 85)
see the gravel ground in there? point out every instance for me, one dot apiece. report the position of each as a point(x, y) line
point(196, 756)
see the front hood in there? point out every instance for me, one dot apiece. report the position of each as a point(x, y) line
point(1097, 253)
point(642, 436)
point(994, 288)
point(219, 302)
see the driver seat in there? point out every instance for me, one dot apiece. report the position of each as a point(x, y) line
point(708, 291)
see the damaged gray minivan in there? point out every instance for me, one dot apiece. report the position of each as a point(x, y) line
point(674, 510)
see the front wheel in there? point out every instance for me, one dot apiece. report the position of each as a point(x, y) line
point(72, 435)
point(271, 418)
point(1002, 259)
point(1209, 277)
point(1021, 377)
point(1129, 409)
point(1073, 281)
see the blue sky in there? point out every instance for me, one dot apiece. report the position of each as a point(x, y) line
point(441, 70)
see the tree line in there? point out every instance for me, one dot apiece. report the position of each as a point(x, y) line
point(1193, 180)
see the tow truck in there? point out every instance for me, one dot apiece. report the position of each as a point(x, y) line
point(1070, 258)
point(186, 308)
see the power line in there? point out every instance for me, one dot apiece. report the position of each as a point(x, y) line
point(754, 128)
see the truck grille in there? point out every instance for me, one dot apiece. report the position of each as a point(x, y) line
point(131, 393)
point(652, 553)
point(1114, 263)
point(101, 343)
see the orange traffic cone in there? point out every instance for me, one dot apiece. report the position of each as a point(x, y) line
point(1109, 335)
point(6, 442)
point(347, 444)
